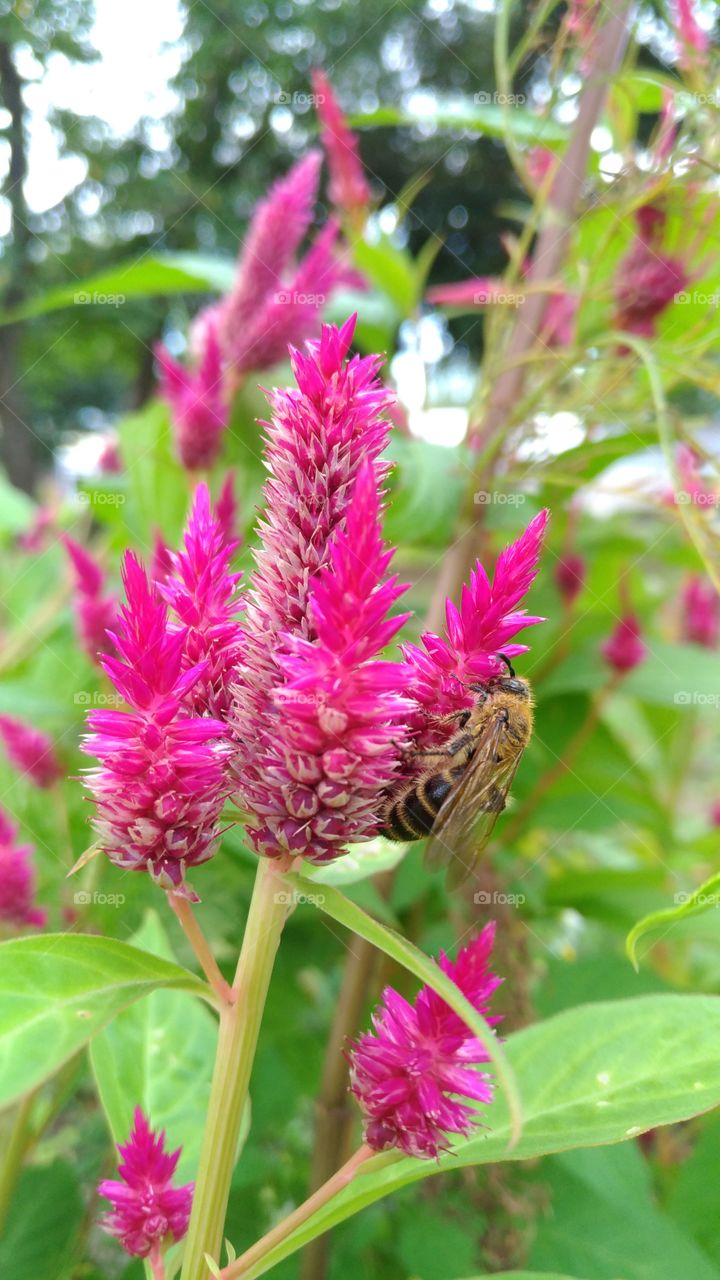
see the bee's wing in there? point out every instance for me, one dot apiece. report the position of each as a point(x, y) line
point(466, 819)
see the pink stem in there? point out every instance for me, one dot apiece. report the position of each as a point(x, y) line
point(201, 947)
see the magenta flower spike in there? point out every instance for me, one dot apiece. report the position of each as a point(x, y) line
point(700, 613)
point(321, 436)
point(693, 486)
point(340, 708)
point(17, 880)
point(693, 41)
point(95, 612)
point(348, 187)
point(226, 510)
point(558, 324)
point(197, 402)
point(409, 1072)
point(161, 783)
point(625, 648)
point(31, 751)
point(202, 592)
point(148, 1212)
point(482, 628)
point(647, 279)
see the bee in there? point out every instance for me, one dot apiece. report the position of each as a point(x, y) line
point(457, 797)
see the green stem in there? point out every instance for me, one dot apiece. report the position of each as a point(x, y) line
point(21, 1138)
point(237, 1041)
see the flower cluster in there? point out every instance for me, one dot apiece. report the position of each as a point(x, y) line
point(31, 751)
point(348, 188)
point(700, 612)
point(148, 1212)
point(17, 880)
point(161, 783)
point(95, 612)
point(318, 586)
point(407, 1072)
point(647, 278)
point(197, 400)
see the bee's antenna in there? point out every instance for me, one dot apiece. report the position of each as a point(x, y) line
point(504, 658)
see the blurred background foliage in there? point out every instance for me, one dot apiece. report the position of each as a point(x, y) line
point(607, 826)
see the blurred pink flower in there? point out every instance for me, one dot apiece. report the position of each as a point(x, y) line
point(570, 573)
point(348, 188)
point(203, 594)
point(37, 536)
point(647, 281)
point(693, 487)
point(161, 783)
point(197, 402)
point(319, 437)
point(276, 300)
point(479, 630)
point(95, 613)
point(539, 161)
point(340, 708)
point(147, 1211)
point(700, 612)
point(226, 509)
point(558, 323)
point(31, 751)
point(17, 880)
point(625, 648)
point(160, 562)
point(110, 461)
point(693, 41)
point(715, 814)
point(408, 1071)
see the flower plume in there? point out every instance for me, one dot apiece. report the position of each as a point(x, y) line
point(408, 1071)
point(31, 751)
point(197, 401)
point(148, 1212)
point(95, 611)
point(348, 188)
point(17, 880)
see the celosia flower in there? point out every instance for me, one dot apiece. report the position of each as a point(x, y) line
point(318, 439)
point(340, 707)
point(226, 509)
point(197, 401)
point(558, 324)
point(17, 880)
point(570, 577)
point(481, 629)
point(692, 39)
point(161, 560)
point(161, 783)
point(95, 612)
point(693, 488)
point(348, 187)
point(625, 648)
point(700, 613)
point(31, 751)
point(410, 1070)
point(202, 592)
point(148, 1212)
point(37, 536)
point(275, 300)
point(647, 279)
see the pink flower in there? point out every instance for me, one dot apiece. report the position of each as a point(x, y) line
point(161, 560)
point(276, 300)
point(348, 188)
point(692, 40)
point(651, 220)
point(148, 1213)
point(558, 324)
point(95, 613)
point(110, 461)
point(715, 814)
point(693, 488)
point(317, 442)
point(408, 1071)
point(202, 592)
point(339, 706)
point(37, 536)
point(481, 629)
point(647, 279)
point(700, 612)
point(569, 576)
point(539, 162)
point(226, 509)
point(161, 783)
point(31, 751)
point(17, 880)
point(625, 648)
point(197, 402)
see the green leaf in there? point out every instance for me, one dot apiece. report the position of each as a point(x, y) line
point(361, 861)
point(458, 113)
point(391, 270)
point(57, 991)
point(403, 952)
point(700, 900)
point(159, 1055)
point(143, 278)
point(44, 1218)
point(590, 1076)
point(427, 490)
point(157, 488)
point(526, 1275)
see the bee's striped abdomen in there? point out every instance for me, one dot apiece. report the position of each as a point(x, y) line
point(412, 815)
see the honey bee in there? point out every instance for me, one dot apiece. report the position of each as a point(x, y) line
point(457, 797)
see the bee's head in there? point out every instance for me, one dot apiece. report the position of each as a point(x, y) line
point(513, 684)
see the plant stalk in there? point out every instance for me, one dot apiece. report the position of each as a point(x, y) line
point(237, 1041)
